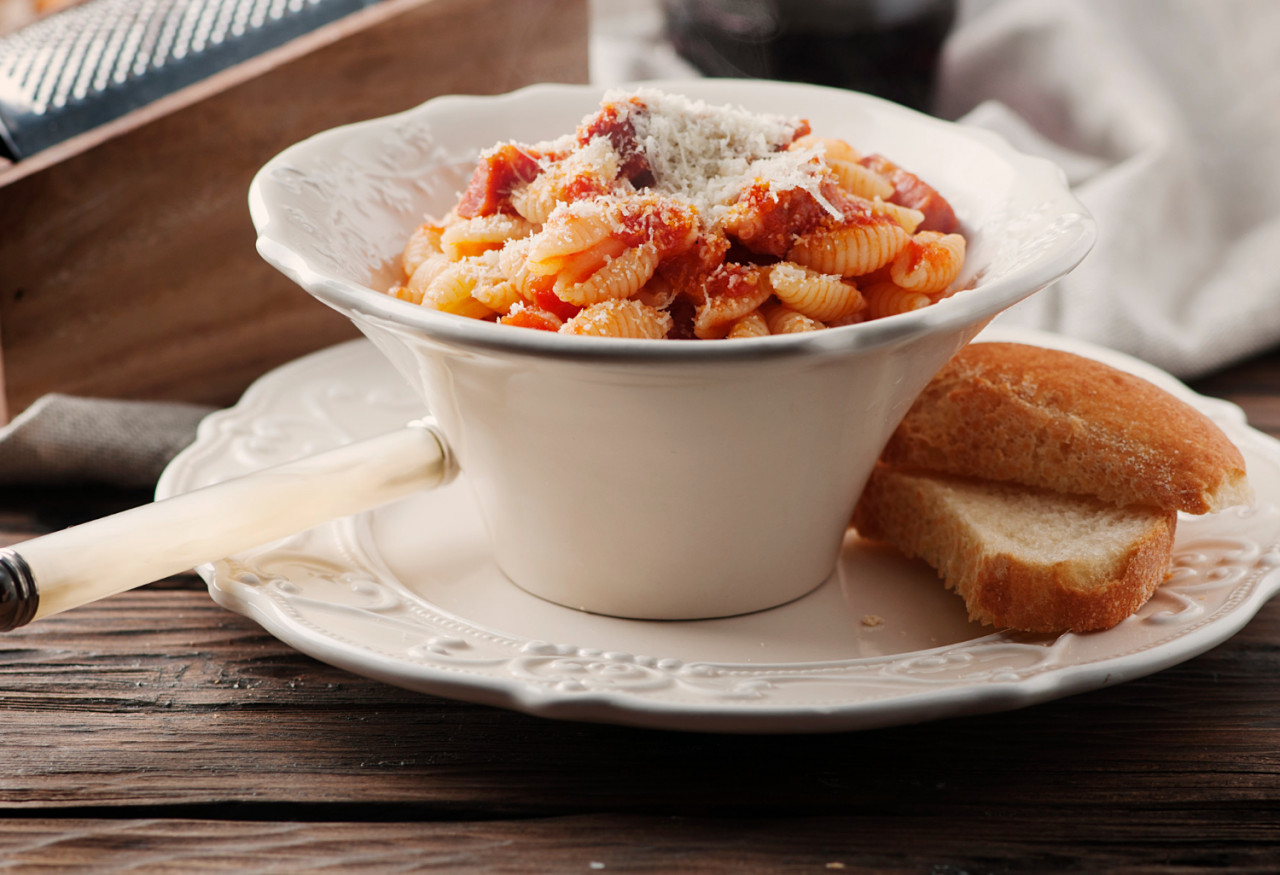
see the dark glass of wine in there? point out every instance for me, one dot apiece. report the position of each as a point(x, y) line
point(888, 48)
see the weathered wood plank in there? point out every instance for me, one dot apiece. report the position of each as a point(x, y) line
point(986, 838)
point(159, 697)
point(159, 733)
point(132, 278)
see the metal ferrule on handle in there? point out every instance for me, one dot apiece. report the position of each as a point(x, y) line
point(19, 596)
point(84, 563)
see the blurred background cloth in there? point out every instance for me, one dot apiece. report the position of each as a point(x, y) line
point(1165, 115)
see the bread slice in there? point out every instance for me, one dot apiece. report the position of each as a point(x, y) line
point(1020, 557)
point(1024, 414)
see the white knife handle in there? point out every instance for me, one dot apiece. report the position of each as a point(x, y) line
point(87, 562)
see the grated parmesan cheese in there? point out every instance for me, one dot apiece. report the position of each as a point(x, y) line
point(705, 155)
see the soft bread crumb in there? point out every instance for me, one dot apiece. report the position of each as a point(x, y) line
point(1023, 558)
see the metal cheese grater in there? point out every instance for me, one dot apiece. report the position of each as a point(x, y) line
point(80, 68)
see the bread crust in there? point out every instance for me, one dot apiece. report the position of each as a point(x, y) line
point(1025, 414)
point(1008, 589)
point(1007, 593)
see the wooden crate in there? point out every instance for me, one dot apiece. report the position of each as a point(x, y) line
point(127, 260)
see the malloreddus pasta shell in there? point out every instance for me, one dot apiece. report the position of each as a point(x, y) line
point(751, 325)
point(620, 318)
point(852, 177)
point(470, 237)
point(450, 292)
point(426, 270)
point(887, 299)
point(474, 286)
point(908, 218)
point(423, 243)
point(819, 296)
point(730, 293)
point(607, 277)
point(857, 247)
point(781, 319)
point(608, 248)
point(858, 180)
point(830, 148)
point(929, 263)
point(586, 173)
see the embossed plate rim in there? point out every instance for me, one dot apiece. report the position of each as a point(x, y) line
point(746, 692)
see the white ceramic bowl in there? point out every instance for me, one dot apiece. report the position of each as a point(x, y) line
point(656, 479)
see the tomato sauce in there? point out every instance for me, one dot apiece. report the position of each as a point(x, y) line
point(546, 299)
point(498, 172)
point(537, 319)
point(774, 218)
point(611, 122)
point(911, 191)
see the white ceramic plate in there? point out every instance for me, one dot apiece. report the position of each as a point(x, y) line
point(409, 594)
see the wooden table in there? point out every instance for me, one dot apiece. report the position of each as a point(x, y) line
point(157, 732)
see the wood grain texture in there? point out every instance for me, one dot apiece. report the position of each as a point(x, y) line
point(129, 262)
point(612, 843)
point(160, 698)
point(160, 733)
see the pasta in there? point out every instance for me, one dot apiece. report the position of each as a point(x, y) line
point(525, 316)
point(908, 218)
point(661, 217)
point(856, 246)
point(751, 325)
point(781, 319)
point(426, 271)
point(929, 263)
point(731, 292)
point(820, 296)
point(887, 299)
point(423, 243)
point(450, 291)
point(620, 318)
point(589, 171)
point(468, 237)
point(851, 176)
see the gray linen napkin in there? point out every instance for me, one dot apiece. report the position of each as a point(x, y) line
point(61, 439)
